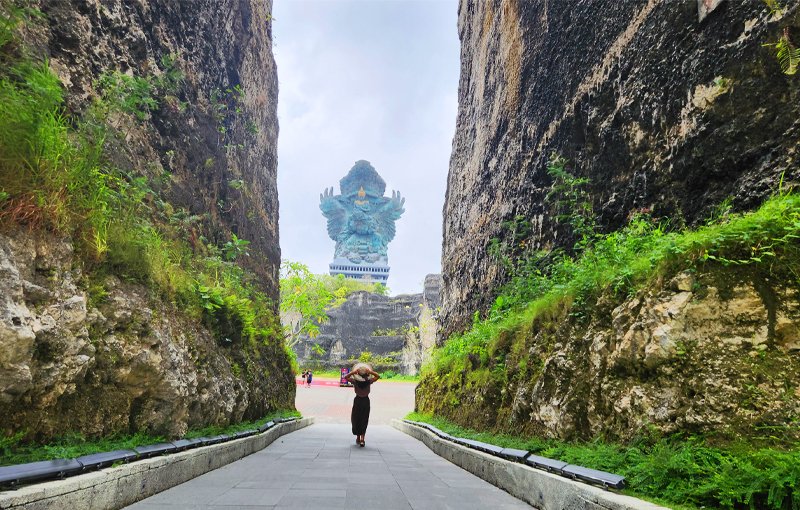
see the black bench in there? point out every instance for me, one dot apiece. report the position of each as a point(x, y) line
point(105, 459)
point(154, 450)
point(483, 447)
point(244, 433)
point(183, 444)
point(594, 476)
point(553, 466)
point(42, 470)
point(514, 454)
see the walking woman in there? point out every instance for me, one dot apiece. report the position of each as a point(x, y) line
point(362, 376)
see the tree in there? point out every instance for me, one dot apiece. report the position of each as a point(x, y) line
point(305, 296)
point(304, 299)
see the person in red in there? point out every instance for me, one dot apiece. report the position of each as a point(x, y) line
point(362, 377)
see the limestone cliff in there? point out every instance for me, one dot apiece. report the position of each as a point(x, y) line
point(130, 363)
point(715, 352)
point(215, 147)
point(398, 332)
point(665, 106)
point(89, 347)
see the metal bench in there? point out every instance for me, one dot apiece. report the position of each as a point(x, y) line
point(183, 444)
point(594, 476)
point(154, 450)
point(553, 466)
point(42, 470)
point(514, 454)
point(105, 459)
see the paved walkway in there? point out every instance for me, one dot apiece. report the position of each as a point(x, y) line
point(320, 467)
point(328, 403)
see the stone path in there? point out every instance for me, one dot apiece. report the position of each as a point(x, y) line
point(320, 467)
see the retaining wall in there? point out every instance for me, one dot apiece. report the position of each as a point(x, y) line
point(538, 488)
point(116, 487)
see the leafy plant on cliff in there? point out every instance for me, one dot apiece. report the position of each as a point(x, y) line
point(571, 200)
point(55, 175)
point(139, 95)
point(623, 262)
point(787, 53)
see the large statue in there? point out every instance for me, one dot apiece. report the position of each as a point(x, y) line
point(361, 220)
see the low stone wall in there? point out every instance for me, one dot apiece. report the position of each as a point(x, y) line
point(116, 487)
point(538, 488)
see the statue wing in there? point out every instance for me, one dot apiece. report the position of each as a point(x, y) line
point(333, 209)
point(390, 212)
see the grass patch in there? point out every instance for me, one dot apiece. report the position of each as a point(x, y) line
point(75, 445)
point(399, 378)
point(683, 473)
point(620, 264)
point(55, 175)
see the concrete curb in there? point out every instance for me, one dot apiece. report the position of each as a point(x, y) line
point(116, 487)
point(539, 489)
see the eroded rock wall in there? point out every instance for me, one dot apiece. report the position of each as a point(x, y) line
point(714, 353)
point(130, 363)
point(400, 330)
point(133, 361)
point(661, 110)
point(205, 138)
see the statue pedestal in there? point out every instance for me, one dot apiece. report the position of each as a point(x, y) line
point(378, 273)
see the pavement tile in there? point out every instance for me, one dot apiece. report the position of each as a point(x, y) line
point(241, 497)
point(265, 484)
point(318, 484)
point(317, 468)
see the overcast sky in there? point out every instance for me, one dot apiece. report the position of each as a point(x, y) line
point(374, 80)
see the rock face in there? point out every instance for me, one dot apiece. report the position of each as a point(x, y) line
point(130, 363)
point(399, 331)
point(712, 353)
point(660, 109)
point(214, 147)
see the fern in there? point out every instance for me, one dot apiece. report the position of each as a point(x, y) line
point(788, 54)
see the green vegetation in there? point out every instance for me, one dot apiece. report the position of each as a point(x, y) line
point(374, 359)
point(787, 53)
point(56, 175)
point(403, 330)
point(75, 445)
point(620, 264)
point(391, 375)
point(545, 288)
point(671, 471)
point(306, 296)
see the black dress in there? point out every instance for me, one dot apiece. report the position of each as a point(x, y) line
point(359, 417)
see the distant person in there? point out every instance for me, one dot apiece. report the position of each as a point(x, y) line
point(309, 376)
point(304, 376)
point(362, 376)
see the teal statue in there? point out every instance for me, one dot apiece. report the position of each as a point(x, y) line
point(361, 221)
